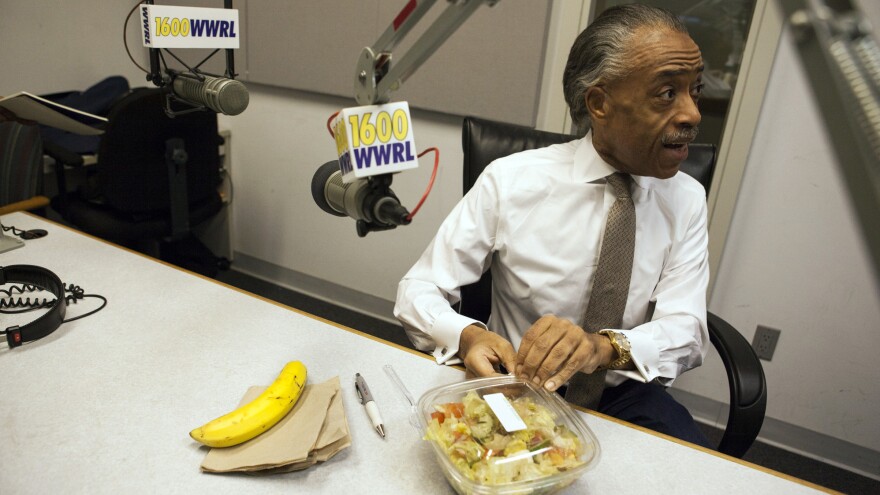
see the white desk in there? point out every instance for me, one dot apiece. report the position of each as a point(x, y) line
point(105, 404)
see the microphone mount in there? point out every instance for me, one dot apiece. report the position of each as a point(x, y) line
point(381, 207)
point(376, 208)
point(163, 77)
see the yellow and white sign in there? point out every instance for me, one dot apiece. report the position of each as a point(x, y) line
point(165, 26)
point(374, 139)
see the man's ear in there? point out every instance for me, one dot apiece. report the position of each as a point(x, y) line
point(597, 103)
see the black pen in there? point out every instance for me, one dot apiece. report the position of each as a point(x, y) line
point(366, 398)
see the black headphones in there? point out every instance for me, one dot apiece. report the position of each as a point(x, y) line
point(48, 322)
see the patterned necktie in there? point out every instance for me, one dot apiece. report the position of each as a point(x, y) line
point(610, 286)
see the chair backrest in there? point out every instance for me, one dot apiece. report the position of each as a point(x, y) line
point(98, 99)
point(132, 169)
point(21, 161)
point(484, 141)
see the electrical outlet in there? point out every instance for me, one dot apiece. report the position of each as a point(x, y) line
point(764, 342)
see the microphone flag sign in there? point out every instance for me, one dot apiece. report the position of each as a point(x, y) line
point(374, 139)
point(165, 26)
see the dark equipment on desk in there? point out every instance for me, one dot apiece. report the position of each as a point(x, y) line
point(484, 141)
point(25, 234)
point(370, 201)
point(31, 275)
point(32, 279)
point(33, 234)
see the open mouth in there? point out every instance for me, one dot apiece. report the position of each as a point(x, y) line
point(675, 146)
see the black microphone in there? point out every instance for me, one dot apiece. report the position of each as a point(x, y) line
point(370, 201)
point(222, 95)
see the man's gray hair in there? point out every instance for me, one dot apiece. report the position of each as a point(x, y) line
point(599, 52)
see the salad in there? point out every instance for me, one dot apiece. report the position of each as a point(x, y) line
point(477, 444)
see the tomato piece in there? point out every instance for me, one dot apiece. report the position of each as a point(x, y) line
point(439, 416)
point(455, 409)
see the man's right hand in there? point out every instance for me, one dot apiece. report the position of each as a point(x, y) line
point(482, 351)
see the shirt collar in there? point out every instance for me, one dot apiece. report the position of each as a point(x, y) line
point(590, 167)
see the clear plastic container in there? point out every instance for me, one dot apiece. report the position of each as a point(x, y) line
point(501, 435)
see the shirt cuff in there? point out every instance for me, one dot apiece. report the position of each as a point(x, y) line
point(645, 356)
point(447, 333)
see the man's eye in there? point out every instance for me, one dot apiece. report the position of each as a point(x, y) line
point(669, 94)
point(697, 90)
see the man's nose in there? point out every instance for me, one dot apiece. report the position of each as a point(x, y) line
point(689, 113)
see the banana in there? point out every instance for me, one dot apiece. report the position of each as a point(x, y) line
point(256, 416)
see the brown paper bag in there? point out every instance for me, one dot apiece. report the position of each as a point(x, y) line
point(313, 431)
point(333, 438)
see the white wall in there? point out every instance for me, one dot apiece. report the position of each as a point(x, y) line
point(793, 259)
point(48, 46)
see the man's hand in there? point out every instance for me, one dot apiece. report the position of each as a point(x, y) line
point(482, 351)
point(554, 349)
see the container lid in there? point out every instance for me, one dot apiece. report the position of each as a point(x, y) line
point(505, 435)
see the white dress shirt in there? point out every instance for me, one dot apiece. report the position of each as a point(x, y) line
point(537, 219)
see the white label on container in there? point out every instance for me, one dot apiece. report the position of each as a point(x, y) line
point(505, 412)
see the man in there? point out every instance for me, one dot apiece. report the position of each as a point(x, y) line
point(538, 219)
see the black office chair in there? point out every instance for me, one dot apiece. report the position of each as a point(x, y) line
point(21, 165)
point(484, 141)
point(98, 99)
point(156, 178)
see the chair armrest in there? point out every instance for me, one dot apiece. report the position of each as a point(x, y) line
point(748, 387)
point(62, 155)
point(24, 205)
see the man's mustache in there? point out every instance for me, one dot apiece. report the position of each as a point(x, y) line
point(682, 136)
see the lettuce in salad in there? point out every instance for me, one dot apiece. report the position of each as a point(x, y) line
point(477, 444)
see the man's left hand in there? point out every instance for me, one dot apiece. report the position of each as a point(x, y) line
point(554, 349)
point(482, 351)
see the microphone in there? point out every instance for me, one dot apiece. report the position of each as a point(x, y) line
point(222, 95)
point(370, 201)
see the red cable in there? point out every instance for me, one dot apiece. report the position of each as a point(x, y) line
point(328, 124)
point(430, 184)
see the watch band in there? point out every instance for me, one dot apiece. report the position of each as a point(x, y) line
point(621, 345)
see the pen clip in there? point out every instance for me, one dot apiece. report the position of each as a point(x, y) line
point(360, 387)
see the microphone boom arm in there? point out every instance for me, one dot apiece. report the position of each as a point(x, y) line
point(841, 60)
point(375, 78)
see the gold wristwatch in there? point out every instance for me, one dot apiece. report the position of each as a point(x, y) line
point(621, 345)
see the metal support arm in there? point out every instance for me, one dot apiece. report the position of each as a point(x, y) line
point(375, 78)
point(842, 62)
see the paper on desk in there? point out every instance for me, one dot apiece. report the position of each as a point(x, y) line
point(314, 431)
